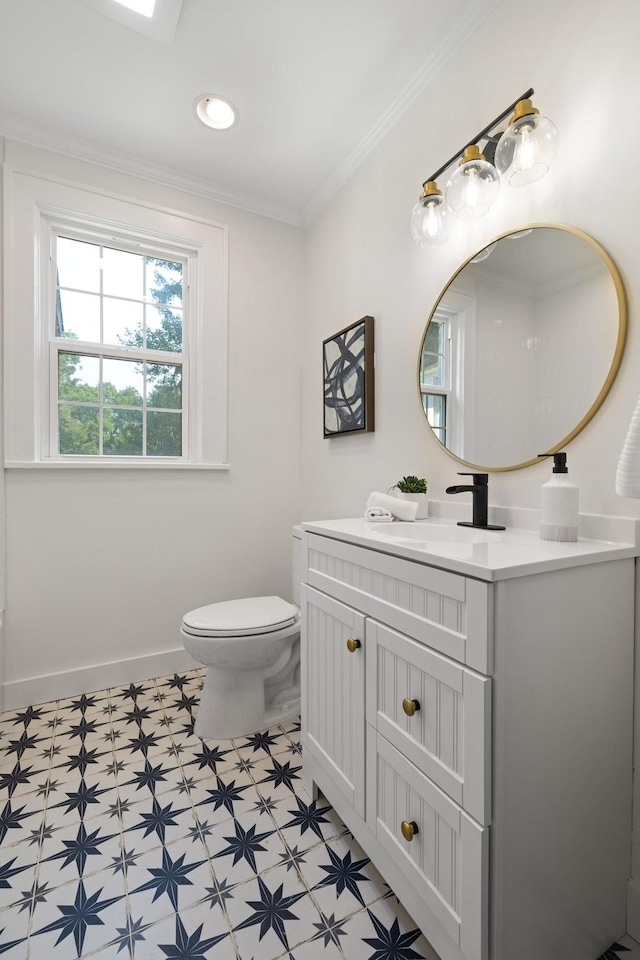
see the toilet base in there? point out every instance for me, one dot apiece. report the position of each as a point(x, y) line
point(281, 713)
point(231, 704)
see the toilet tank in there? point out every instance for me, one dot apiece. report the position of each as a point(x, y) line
point(296, 567)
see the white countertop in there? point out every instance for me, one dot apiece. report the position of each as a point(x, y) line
point(491, 555)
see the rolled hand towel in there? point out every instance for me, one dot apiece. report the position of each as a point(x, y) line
point(400, 509)
point(378, 515)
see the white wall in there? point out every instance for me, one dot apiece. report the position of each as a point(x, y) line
point(581, 58)
point(503, 411)
point(103, 564)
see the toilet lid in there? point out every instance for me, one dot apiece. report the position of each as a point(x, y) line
point(237, 618)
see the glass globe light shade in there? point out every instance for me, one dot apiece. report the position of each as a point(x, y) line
point(527, 148)
point(427, 221)
point(473, 187)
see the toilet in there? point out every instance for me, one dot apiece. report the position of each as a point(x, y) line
point(251, 648)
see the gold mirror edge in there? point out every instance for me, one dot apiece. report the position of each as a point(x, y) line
point(615, 362)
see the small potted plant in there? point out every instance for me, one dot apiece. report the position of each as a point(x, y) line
point(414, 489)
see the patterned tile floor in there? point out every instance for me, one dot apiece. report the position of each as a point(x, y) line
point(122, 834)
point(625, 949)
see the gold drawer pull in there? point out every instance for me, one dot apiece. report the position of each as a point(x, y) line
point(353, 644)
point(410, 706)
point(409, 830)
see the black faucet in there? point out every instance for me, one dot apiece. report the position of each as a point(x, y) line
point(480, 490)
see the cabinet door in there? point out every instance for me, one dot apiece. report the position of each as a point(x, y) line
point(333, 720)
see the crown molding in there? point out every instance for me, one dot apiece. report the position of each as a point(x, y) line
point(77, 149)
point(457, 36)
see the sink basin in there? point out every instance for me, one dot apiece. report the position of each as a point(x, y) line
point(428, 532)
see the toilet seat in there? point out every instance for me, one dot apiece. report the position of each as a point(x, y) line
point(250, 616)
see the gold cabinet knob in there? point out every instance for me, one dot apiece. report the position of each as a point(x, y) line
point(353, 644)
point(410, 706)
point(409, 829)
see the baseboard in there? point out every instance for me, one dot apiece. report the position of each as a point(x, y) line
point(633, 908)
point(71, 683)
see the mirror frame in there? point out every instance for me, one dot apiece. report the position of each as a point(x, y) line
point(615, 362)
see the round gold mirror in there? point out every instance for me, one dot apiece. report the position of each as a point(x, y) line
point(522, 347)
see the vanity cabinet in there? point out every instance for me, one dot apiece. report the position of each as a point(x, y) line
point(335, 693)
point(475, 736)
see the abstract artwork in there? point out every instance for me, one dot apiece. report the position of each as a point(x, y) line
point(348, 379)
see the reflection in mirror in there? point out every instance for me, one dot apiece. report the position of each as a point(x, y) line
point(522, 347)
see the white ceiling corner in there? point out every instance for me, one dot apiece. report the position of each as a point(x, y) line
point(318, 84)
point(161, 26)
point(459, 33)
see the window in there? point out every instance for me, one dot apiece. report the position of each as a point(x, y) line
point(118, 360)
point(115, 331)
point(435, 376)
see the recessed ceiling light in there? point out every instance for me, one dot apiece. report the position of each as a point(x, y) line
point(216, 112)
point(145, 7)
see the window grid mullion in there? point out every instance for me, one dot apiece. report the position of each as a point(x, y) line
point(103, 351)
point(144, 407)
point(101, 284)
point(101, 414)
point(115, 352)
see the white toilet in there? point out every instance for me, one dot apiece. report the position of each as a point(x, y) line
point(251, 648)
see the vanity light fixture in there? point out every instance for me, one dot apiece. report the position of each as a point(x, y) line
point(528, 146)
point(216, 112)
point(428, 218)
point(520, 154)
point(474, 186)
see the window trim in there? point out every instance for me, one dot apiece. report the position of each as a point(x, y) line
point(443, 320)
point(51, 229)
point(31, 194)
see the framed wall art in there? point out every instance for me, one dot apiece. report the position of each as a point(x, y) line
point(347, 359)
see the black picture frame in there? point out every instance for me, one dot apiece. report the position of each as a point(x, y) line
point(348, 375)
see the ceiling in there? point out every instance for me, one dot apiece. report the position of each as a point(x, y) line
point(317, 83)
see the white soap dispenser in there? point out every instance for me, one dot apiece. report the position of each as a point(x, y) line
point(559, 507)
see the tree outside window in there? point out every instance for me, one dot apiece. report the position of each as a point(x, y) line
point(120, 382)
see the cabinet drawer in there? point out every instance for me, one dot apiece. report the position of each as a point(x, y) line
point(446, 611)
point(447, 860)
point(449, 736)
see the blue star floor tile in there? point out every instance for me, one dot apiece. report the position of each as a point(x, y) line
point(341, 877)
point(85, 915)
point(168, 880)
point(624, 949)
point(384, 930)
point(197, 932)
point(18, 867)
point(14, 931)
point(271, 914)
point(244, 846)
point(124, 835)
point(303, 822)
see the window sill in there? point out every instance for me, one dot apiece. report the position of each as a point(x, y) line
point(115, 464)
